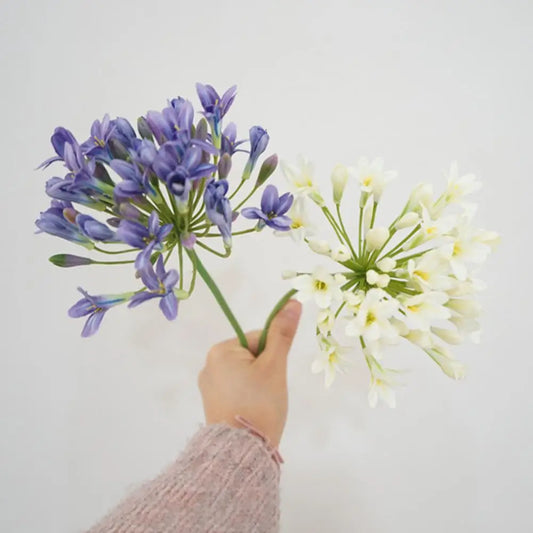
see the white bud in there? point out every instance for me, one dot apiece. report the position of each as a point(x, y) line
point(451, 336)
point(376, 238)
point(319, 246)
point(383, 281)
point(408, 220)
point(422, 195)
point(387, 264)
point(289, 274)
point(339, 177)
point(341, 254)
point(466, 308)
point(372, 277)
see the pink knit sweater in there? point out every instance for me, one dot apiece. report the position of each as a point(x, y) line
point(225, 481)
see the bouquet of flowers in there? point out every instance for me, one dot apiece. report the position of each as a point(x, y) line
point(412, 279)
point(158, 193)
point(162, 192)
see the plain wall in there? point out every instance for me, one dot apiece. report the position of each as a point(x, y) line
point(420, 83)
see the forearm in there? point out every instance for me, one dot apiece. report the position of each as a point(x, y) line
point(226, 480)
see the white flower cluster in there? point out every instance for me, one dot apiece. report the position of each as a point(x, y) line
point(412, 280)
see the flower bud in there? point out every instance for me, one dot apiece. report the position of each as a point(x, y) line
point(339, 178)
point(340, 254)
point(422, 195)
point(387, 264)
point(383, 281)
point(289, 274)
point(188, 240)
point(68, 260)
point(319, 246)
point(408, 220)
point(117, 149)
point(144, 129)
point(129, 211)
point(201, 130)
point(372, 277)
point(224, 166)
point(451, 336)
point(376, 238)
point(267, 169)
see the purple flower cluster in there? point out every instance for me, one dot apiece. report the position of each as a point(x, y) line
point(153, 188)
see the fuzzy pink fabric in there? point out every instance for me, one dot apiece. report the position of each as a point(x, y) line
point(225, 481)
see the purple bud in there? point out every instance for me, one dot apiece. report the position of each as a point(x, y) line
point(189, 241)
point(68, 260)
point(201, 130)
point(144, 129)
point(267, 169)
point(224, 166)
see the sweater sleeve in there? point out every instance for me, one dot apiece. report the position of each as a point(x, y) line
point(225, 481)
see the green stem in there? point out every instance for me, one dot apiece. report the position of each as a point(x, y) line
point(333, 223)
point(213, 251)
point(112, 252)
point(180, 258)
point(250, 230)
point(396, 249)
point(348, 241)
point(112, 262)
point(237, 189)
point(218, 296)
point(360, 230)
point(245, 199)
point(262, 339)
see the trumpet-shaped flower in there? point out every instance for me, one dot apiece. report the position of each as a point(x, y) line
point(444, 358)
point(300, 177)
point(382, 381)
point(258, 143)
point(372, 321)
point(331, 359)
point(372, 177)
point(460, 186)
point(321, 286)
point(325, 321)
point(159, 284)
point(147, 238)
point(424, 308)
point(430, 272)
point(94, 229)
point(95, 307)
point(464, 249)
point(273, 209)
point(301, 226)
point(218, 208)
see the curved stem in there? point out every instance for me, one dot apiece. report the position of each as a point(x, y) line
point(348, 241)
point(113, 252)
point(218, 296)
point(262, 339)
point(212, 250)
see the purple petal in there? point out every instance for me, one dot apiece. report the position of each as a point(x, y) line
point(141, 297)
point(160, 268)
point(153, 223)
point(269, 199)
point(284, 204)
point(149, 277)
point(143, 258)
point(170, 279)
point(81, 308)
point(93, 323)
point(282, 223)
point(169, 305)
point(252, 213)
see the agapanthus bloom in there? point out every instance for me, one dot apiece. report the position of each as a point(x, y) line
point(95, 307)
point(273, 209)
point(159, 284)
point(157, 196)
point(410, 280)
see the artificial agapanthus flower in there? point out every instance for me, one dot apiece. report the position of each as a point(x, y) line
point(158, 194)
point(411, 280)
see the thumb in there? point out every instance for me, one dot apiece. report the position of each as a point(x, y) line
point(282, 331)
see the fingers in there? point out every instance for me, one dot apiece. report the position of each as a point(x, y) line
point(281, 334)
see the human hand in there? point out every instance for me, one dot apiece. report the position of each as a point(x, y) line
point(235, 382)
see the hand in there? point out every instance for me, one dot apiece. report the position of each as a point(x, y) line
point(235, 382)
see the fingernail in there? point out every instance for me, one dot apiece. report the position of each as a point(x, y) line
point(292, 309)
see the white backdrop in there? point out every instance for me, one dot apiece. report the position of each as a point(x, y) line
point(420, 83)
